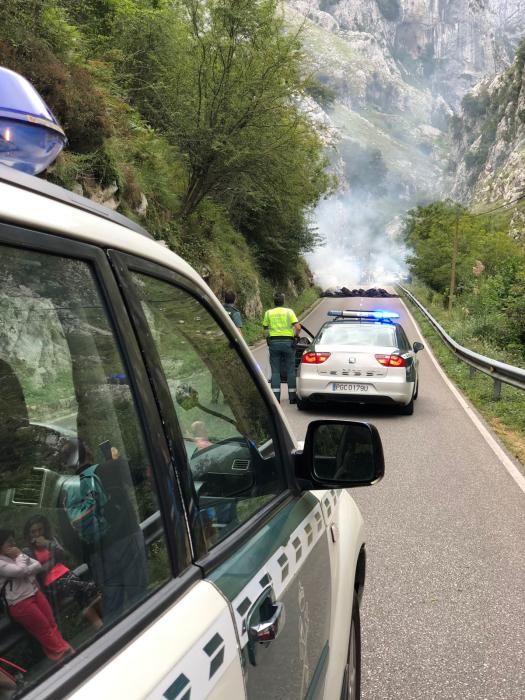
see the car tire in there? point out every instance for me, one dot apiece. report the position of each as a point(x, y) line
point(352, 674)
point(407, 410)
point(303, 404)
point(416, 392)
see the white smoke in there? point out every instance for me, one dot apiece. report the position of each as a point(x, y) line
point(359, 248)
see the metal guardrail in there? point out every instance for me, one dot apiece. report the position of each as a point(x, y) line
point(500, 372)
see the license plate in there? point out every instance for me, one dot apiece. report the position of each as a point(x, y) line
point(351, 388)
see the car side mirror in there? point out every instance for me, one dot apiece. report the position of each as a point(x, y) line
point(418, 346)
point(341, 454)
point(186, 396)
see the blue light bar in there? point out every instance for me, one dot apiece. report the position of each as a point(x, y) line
point(385, 314)
point(371, 315)
point(30, 136)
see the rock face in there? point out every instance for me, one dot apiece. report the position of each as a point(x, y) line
point(489, 140)
point(404, 66)
point(399, 70)
point(448, 45)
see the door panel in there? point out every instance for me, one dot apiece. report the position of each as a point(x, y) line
point(290, 554)
point(229, 431)
point(189, 653)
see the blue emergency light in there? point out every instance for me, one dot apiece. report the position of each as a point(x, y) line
point(30, 136)
point(372, 315)
point(385, 314)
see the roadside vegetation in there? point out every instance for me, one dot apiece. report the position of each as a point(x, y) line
point(486, 313)
point(186, 117)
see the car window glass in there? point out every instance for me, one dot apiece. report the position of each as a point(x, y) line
point(357, 334)
point(226, 426)
point(403, 340)
point(80, 542)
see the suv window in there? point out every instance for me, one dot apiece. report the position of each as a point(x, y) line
point(80, 542)
point(227, 427)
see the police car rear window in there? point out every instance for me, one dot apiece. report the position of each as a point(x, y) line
point(357, 334)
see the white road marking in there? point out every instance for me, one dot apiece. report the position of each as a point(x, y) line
point(489, 439)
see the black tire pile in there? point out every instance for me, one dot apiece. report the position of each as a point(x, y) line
point(345, 292)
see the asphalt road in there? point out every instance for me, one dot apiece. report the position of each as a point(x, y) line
point(443, 613)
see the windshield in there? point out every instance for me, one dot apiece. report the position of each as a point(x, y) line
point(357, 334)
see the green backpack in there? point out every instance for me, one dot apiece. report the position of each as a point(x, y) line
point(85, 507)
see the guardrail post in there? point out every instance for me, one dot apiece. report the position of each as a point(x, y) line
point(472, 372)
point(496, 393)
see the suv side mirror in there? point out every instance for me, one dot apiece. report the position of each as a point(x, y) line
point(417, 347)
point(341, 454)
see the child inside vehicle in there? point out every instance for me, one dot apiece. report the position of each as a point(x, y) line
point(26, 603)
point(57, 580)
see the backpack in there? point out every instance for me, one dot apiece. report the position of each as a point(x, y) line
point(233, 313)
point(85, 507)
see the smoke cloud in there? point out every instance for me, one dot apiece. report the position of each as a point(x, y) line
point(361, 246)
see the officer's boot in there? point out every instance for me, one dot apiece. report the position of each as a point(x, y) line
point(291, 396)
point(277, 394)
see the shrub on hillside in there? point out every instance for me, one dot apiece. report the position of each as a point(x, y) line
point(69, 91)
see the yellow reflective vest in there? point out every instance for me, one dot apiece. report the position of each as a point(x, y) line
point(280, 321)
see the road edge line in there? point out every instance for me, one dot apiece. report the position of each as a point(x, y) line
point(511, 468)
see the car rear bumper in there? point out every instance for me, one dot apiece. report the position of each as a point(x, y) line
point(383, 391)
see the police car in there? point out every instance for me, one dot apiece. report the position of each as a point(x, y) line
point(231, 561)
point(360, 357)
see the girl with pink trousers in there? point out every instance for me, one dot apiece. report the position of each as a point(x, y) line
point(26, 603)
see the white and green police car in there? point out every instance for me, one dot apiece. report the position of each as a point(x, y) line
point(231, 562)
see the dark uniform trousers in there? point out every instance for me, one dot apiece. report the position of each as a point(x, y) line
point(282, 349)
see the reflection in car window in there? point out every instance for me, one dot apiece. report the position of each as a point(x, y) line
point(404, 343)
point(225, 423)
point(77, 504)
point(357, 334)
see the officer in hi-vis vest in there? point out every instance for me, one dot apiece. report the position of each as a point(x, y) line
point(283, 327)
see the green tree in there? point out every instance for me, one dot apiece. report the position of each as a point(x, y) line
point(492, 291)
point(223, 79)
point(193, 106)
point(429, 231)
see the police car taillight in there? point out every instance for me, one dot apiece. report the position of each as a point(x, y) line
point(30, 136)
point(314, 358)
point(391, 360)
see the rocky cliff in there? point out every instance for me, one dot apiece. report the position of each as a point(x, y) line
point(488, 158)
point(400, 68)
point(448, 44)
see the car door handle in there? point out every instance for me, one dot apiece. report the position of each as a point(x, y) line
point(268, 630)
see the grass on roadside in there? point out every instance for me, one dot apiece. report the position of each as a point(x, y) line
point(506, 416)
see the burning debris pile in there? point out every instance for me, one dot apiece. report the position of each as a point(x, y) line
point(345, 292)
